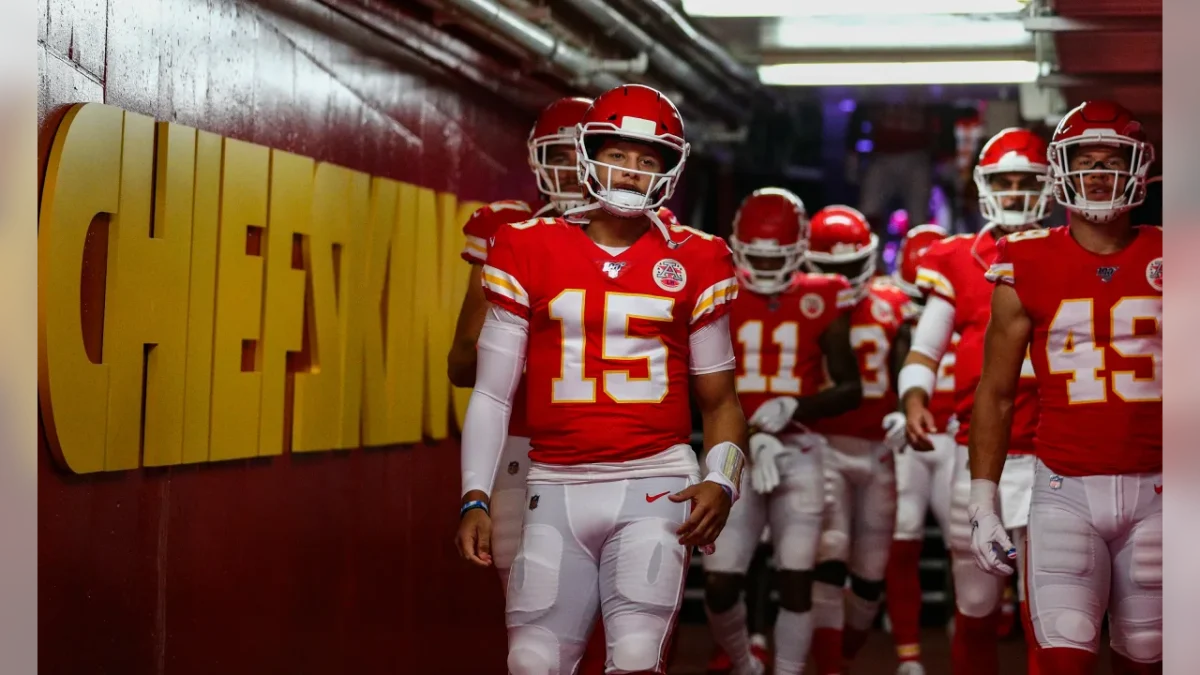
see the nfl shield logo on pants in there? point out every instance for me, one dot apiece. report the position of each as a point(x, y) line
point(533, 502)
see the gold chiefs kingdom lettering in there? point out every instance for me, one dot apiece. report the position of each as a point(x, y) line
point(203, 299)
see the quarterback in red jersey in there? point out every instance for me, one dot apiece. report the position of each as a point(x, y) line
point(860, 479)
point(1085, 301)
point(923, 479)
point(787, 323)
point(614, 323)
point(1012, 197)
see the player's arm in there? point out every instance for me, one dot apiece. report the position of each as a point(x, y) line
point(713, 386)
point(842, 364)
point(502, 344)
point(461, 362)
point(918, 375)
point(900, 348)
point(1004, 349)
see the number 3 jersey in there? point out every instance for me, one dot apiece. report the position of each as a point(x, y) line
point(950, 271)
point(1096, 347)
point(874, 323)
point(607, 373)
point(777, 337)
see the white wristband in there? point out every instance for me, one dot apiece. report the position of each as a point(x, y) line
point(725, 463)
point(919, 376)
point(983, 492)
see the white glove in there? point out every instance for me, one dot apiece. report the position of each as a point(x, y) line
point(764, 472)
point(774, 415)
point(894, 423)
point(994, 551)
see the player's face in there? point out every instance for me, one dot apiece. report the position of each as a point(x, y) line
point(1013, 183)
point(562, 157)
point(767, 263)
point(628, 163)
point(1098, 162)
point(849, 270)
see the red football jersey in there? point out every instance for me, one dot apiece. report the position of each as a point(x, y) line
point(950, 271)
point(874, 322)
point(608, 355)
point(480, 228)
point(941, 404)
point(1096, 348)
point(777, 337)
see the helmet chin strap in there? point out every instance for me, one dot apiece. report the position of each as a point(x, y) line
point(652, 214)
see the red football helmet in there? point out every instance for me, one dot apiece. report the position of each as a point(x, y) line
point(916, 241)
point(637, 113)
point(1099, 158)
point(842, 243)
point(555, 129)
point(771, 223)
point(1013, 151)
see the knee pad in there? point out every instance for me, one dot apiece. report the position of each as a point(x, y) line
point(1147, 560)
point(867, 590)
point(832, 572)
point(834, 545)
point(1069, 615)
point(533, 650)
point(637, 641)
point(976, 593)
point(795, 590)
point(721, 591)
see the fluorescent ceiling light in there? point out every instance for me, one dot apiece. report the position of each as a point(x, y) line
point(912, 72)
point(881, 33)
point(729, 8)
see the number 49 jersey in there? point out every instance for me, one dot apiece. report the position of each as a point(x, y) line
point(1096, 348)
point(607, 373)
point(777, 337)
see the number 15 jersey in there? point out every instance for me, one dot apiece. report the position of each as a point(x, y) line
point(1096, 347)
point(607, 372)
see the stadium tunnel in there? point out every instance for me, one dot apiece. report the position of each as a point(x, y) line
point(297, 514)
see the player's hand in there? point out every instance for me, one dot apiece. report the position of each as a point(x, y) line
point(895, 427)
point(764, 472)
point(919, 424)
point(994, 551)
point(710, 510)
point(773, 416)
point(475, 537)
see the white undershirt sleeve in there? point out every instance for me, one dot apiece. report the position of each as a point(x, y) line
point(934, 329)
point(711, 348)
point(499, 366)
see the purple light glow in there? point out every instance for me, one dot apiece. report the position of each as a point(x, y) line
point(864, 146)
point(847, 105)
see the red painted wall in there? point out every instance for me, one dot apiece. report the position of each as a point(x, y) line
point(325, 564)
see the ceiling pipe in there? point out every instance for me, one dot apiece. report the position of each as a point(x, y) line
point(742, 74)
point(615, 25)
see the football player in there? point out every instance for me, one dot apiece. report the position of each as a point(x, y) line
point(615, 323)
point(1085, 300)
point(923, 479)
point(786, 325)
point(1012, 197)
point(860, 479)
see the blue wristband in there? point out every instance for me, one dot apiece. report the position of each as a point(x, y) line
point(727, 491)
point(474, 504)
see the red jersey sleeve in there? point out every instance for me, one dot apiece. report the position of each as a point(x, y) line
point(717, 287)
point(507, 272)
point(933, 274)
point(482, 226)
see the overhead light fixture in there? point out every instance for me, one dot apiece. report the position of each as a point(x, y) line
point(810, 8)
point(884, 33)
point(905, 72)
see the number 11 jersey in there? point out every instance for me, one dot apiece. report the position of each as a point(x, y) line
point(607, 372)
point(1096, 348)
